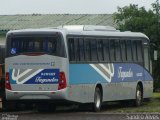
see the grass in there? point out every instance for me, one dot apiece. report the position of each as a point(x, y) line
point(151, 106)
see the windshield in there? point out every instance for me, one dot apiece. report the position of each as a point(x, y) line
point(30, 44)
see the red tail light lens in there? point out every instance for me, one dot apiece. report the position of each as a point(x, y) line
point(8, 85)
point(62, 81)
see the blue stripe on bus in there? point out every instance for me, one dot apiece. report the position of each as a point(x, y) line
point(85, 74)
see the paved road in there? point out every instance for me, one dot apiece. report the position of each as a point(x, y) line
point(32, 115)
point(75, 114)
point(62, 116)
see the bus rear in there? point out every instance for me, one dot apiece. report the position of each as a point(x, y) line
point(36, 65)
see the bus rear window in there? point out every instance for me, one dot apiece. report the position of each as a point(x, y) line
point(46, 45)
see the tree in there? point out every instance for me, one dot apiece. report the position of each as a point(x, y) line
point(138, 19)
point(133, 18)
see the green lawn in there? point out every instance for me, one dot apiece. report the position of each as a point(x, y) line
point(149, 106)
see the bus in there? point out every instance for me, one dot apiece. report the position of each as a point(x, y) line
point(77, 64)
point(2, 72)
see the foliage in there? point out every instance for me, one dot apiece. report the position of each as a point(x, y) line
point(138, 19)
point(3, 33)
point(133, 18)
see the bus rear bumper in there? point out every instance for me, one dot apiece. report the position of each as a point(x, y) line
point(37, 95)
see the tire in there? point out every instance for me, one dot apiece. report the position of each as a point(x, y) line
point(139, 96)
point(96, 106)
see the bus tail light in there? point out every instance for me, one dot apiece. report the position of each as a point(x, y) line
point(62, 81)
point(8, 85)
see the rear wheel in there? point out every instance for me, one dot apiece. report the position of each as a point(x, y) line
point(139, 96)
point(97, 100)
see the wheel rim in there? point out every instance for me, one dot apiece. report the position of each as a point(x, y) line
point(139, 97)
point(98, 100)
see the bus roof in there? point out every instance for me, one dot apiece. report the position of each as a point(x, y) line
point(83, 30)
point(26, 31)
point(100, 31)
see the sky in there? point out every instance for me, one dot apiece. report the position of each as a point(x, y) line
point(10, 7)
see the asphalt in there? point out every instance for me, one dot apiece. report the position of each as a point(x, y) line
point(72, 113)
point(75, 113)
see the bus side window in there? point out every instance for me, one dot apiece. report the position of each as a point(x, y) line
point(146, 57)
point(123, 50)
point(71, 49)
point(134, 50)
point(77, 50)
point(106, 50)
point(139, 51)
point(94, 55)
point(81, 49)
point(129, 50)
point(87, 49)
point(117, 51)
point(100, 49)
point(112, 49)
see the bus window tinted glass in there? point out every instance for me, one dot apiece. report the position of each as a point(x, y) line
point(146, 57)
point(117, 51)
point(100, 49)
point(76, 48)
point(71, 49)
point(139, 51)
point(123, 50)
point(87, 50)
point(46, 45)
point(129, 50)
point(112, 50)
point(94, 56)
point(134, 50)
point(81, 49)
point(106, 50)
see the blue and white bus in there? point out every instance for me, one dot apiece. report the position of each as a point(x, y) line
point(82, 64)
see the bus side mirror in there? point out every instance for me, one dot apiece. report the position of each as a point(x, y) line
point(155, 55)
